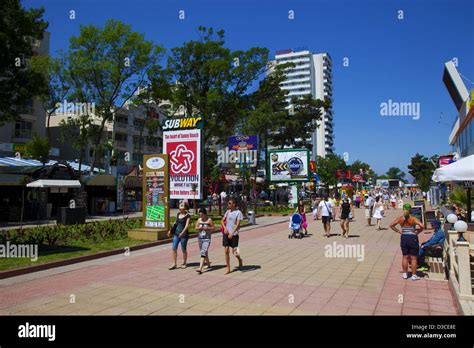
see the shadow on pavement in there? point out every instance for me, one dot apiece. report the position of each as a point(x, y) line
point(248, 268)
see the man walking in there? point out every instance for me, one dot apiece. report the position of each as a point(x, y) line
point(369, 205)
point(409, 240)
point(326, 211)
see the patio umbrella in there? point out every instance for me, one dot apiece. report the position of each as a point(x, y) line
point(461, 170)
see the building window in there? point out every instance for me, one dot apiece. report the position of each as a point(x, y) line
point(23, 129)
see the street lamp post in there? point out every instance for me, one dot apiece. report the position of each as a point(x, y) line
point(459, 225)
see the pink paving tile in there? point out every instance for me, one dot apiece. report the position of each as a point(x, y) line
point(311, 307)
point(412, 311)
point(415, 305)
point(334, 310)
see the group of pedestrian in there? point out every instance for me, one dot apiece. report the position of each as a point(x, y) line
point(230, 225)
point(374, 204)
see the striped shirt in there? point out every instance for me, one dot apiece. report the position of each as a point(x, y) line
point(408, 226)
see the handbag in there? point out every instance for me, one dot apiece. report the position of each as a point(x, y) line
point(173, 228)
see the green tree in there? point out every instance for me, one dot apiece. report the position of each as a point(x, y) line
point(20, 29)
point(421, 168)
point(267, 109)
point(59, 87)
point(109, 64)
point(326, 168)
point(79, 132)
point(369, 174)
point(211, 80)
point(395, 173)
point(299, 123)
point(38, 148)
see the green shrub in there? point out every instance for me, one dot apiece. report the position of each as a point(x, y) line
point(96, 231)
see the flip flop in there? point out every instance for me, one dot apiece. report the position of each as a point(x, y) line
point(183, 266)
point(172, 267)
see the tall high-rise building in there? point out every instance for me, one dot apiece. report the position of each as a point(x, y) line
point(312, 75)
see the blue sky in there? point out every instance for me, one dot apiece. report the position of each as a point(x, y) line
point(401, 60)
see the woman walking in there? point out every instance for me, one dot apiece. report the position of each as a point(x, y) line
point(347, 212)
point(205, 226)
point(180, 231)
point(378, 212)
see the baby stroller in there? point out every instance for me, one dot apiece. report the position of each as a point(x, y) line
point(295, 226)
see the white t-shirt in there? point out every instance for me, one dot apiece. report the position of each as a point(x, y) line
point(325, 208)
point(369, 202)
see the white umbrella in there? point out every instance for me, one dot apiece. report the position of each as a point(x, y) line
point(462, 170)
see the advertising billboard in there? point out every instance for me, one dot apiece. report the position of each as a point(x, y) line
point(289, 165)
point(156, 191)
point(184, 149)
point(241, 149)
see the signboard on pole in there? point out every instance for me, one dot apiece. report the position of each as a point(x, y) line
point(184, 148)
point(289, 165)
point(241, 149)
point(156, 211)
point(418, 212)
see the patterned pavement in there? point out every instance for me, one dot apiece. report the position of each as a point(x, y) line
point(280, 276)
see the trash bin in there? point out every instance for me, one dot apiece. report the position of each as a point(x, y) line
point(251, 217)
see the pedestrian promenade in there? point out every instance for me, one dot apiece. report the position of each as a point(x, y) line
point(280, 277)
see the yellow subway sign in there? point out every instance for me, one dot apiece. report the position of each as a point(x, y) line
point(183, 123)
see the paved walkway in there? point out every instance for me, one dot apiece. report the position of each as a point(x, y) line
point(280, 276)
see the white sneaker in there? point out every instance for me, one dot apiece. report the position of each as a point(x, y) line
point(404, 275)
point(415, 277)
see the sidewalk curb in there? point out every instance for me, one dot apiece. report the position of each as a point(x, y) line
point(73, 260)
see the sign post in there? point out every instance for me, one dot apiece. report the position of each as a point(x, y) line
point(155, 204)
point(156, 191)
point(183, 142)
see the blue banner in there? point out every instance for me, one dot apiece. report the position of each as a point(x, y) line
point(243, 142)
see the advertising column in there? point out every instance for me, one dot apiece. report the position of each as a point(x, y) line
point(182, 141)
point(156, 191)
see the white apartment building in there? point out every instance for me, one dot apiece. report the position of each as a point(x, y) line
point(126, 132)
point(312, 74)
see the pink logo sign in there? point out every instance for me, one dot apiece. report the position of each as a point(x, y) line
point(181, 159)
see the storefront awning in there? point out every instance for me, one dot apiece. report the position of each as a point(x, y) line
point(54, 183)
point(101, 180)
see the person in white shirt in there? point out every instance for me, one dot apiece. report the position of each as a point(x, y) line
point(223, 197)
point(369, 204)
point(326, 211)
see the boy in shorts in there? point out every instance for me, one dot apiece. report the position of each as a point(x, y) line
point(230, 239)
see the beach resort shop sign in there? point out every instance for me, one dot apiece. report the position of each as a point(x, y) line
point(183, 142)
point(289, 165)
point(241, 149)
point(156, 191)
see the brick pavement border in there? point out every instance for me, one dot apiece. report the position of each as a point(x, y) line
point(73, 260)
